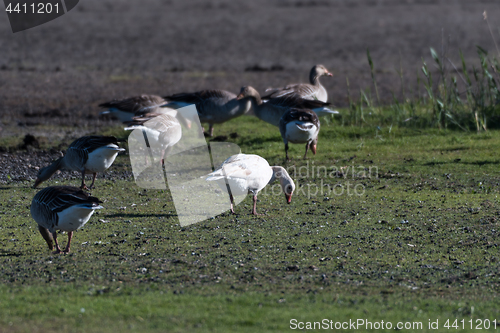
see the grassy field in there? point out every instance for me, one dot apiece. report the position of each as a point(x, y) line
point(387, 224)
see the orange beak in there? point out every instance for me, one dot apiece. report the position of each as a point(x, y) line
point(288, 198)
point(313, 149)
point(240, 96)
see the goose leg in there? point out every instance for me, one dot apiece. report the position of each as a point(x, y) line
point(254, 210)
point(307, 148)
point(93, 180)
point(70, 235)
point(211, 130)
point(286, 151)
point(232, 203)
point(58, 249)
point(83, 187)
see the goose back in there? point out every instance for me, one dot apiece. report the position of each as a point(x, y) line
point(64, 208)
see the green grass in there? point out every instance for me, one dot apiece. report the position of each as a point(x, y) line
point(419, 244)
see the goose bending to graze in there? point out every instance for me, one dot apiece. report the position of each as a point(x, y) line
point(88, 155)
point(300, 126)
point(272, 110)
point(65, 208)
point(213, 106)
point(249, 174)
point(314, 90)
point(162, 130)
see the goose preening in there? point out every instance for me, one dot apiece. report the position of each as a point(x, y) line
point(314, 90)
point(87, 155)
point(249, 174)
point(213, 106)
point(300, 126)
point(65, 208)
point(272, 110)
point(127, 109)
point(162, 131)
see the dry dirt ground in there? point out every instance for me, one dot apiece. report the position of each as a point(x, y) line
point(58, 73)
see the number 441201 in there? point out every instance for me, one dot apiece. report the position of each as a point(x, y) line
point(39, 8)
point(477, 324)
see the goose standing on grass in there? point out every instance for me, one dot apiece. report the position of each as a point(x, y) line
point(300, 126)
point(65, 208)
point(307, 91)
point(249, 174)
point(87, 155)
point(213, 106)
point(272, 110)
point(162, 130)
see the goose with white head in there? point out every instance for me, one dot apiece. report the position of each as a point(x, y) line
point(246, 174)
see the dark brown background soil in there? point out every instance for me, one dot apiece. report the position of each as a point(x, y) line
point(106, 49)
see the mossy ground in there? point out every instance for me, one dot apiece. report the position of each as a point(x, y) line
point(392, 224)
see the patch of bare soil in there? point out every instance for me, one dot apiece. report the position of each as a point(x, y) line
point(52, 77)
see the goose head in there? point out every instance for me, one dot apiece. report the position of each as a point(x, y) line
point(318, 71)
point(47, 172)
point(313, 145)
point(249, 92)
point(286, 182)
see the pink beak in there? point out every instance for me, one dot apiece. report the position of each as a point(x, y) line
point(313, 149)
point(288, 198)
point(328, 74)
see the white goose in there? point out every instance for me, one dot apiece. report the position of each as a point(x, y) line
point(162, 130)
point(300, 126)
point(65, 208)
point(308, 91)
point(272, 110)
point(213, 106)
point(249, 174)
point(88, 155)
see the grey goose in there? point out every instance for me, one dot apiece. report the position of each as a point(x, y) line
point(87, 155)
point(300, 126)
point(213, 106)
point(127, 109)
point(272, 110)
point(64, 208)
point(314, 90)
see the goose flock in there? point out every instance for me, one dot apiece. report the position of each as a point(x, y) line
point(294, 109)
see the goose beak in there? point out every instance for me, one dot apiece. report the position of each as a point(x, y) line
point(313, 149)
point(288, 198)
point(37, 182)
point(328, 74)
point(240, 96)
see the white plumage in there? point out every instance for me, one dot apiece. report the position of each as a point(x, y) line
point(250, 174)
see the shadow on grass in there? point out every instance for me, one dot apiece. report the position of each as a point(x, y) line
point(479, 163)
point(141, 215)
point(9, 253)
